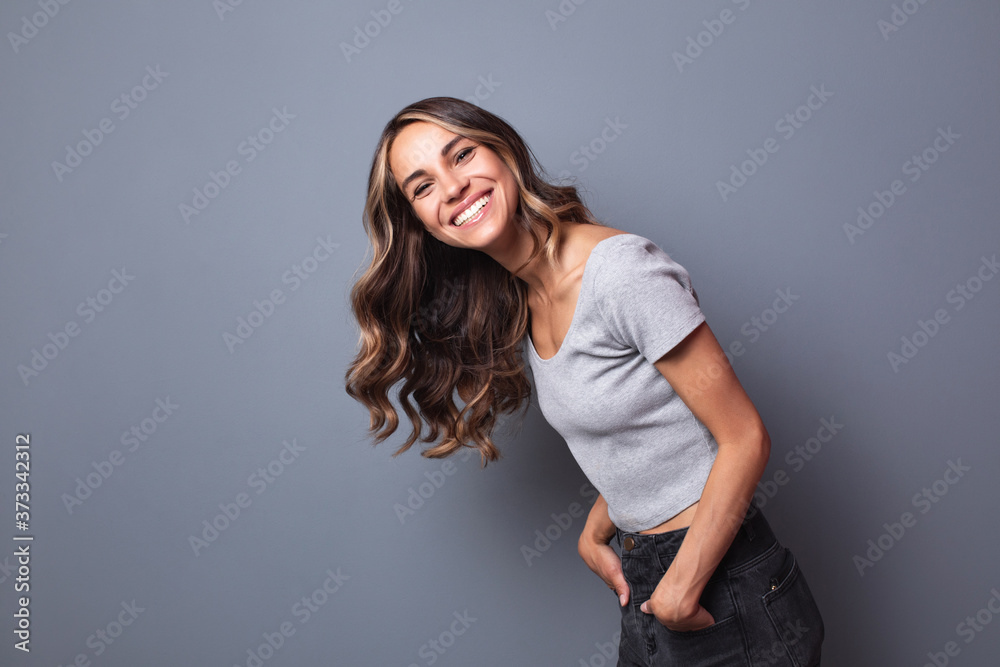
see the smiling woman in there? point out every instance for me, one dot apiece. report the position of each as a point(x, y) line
point(479, 264)
point(434, 308)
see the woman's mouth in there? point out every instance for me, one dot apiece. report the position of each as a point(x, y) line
point(474, 212)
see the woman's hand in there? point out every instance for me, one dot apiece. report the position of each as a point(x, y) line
point(675, 611)
point(606, 564)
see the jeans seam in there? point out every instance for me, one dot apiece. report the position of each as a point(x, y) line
point(741, 622)
point(641, 644)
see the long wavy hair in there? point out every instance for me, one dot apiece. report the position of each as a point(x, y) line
point(447, 319)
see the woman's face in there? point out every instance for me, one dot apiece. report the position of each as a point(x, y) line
point(462, 191)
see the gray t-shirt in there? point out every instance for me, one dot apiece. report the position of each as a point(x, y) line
point(632, 435)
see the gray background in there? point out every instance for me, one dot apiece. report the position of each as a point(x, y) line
point(335, 505)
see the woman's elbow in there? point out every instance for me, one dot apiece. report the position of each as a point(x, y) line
point(753, 444)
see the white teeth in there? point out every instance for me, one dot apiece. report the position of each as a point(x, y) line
point(471, 211)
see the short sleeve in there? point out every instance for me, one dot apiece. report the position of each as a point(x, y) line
point(646, 298)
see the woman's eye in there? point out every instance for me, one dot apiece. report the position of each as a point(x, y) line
point(458, 158)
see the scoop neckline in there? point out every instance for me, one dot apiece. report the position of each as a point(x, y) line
point(576, 308)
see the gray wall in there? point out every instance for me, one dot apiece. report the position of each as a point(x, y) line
point(121, 486)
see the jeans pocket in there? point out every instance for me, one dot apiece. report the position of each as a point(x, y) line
point(719, 644)
point(794, 614)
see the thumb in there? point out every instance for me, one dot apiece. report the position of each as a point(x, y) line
point(621, 587)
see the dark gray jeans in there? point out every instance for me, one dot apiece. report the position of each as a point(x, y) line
point(765, 614)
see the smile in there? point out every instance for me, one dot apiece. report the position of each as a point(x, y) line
point(472, 213)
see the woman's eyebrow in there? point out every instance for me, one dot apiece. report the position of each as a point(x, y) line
point(420, 172)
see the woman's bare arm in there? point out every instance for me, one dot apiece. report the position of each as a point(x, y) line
point(744, 447)
point(595, 551)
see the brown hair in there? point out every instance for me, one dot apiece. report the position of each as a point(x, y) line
point(447, 319)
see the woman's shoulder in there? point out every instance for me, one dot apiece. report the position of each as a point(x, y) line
point(623, 254)
point(622, 261)
point(595, 239)
point(623, 247)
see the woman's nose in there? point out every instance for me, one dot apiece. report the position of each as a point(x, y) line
point(453, 185)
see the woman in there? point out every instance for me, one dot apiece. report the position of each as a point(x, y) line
point(479, 262)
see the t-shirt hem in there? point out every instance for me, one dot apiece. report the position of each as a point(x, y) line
point(657, 520)
point(656, 353)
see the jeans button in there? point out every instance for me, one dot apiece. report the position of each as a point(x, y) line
point(628, 543)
